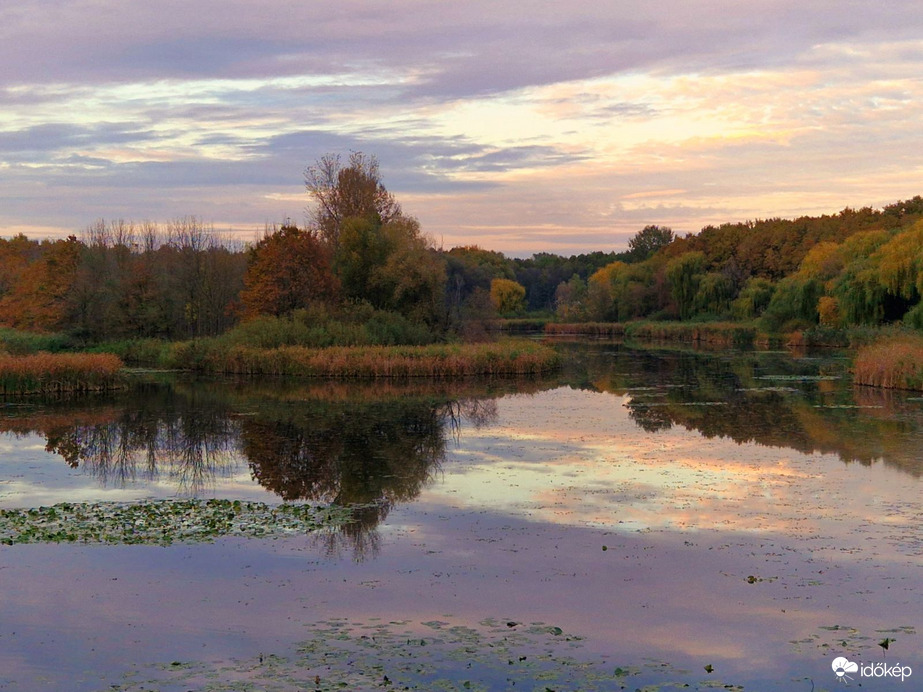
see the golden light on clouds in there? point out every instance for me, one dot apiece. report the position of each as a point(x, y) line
point(594, 123)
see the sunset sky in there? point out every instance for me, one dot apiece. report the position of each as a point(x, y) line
point(520, 126)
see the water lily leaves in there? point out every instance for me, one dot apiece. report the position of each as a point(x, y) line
point(161, 522)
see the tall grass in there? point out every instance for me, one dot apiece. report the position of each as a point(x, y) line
point(508, 357)
point(56, 373)
point(896, 363)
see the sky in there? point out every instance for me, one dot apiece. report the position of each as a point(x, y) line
point(523, 127)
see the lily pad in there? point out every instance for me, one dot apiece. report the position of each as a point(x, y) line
point(162, 522)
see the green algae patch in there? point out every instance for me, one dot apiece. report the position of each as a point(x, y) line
point(162, 522)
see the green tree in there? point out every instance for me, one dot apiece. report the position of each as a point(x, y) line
point(569, 299)
point(753, 299)
point(649, 240)
point(715, 293)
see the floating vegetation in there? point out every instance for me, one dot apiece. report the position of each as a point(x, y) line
point(850, 640)
point(497, 653)
point(845, 406)
point(161, 522)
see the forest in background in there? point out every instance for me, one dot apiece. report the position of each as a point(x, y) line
point(362, 272)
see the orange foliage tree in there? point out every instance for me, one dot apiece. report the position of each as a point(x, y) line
point(40, 297)
point(288, 269)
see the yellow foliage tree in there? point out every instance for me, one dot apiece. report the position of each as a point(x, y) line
point(508, 297)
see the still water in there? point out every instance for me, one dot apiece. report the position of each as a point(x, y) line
point(656, 519)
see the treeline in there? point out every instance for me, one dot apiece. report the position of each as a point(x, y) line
point(857, 267)
point(123, 279)
point(363, 272)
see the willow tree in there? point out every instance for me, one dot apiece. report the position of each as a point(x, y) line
point(684, 274)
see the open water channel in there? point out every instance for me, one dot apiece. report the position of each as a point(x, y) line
point(648, 519)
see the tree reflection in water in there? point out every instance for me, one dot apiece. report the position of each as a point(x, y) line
point(805, 403)
point(349, 445)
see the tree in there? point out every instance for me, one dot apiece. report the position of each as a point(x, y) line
point(569, 299)
point(288, 269)
point(753, 299)
point(41, 297)
point(342, 192)
point(508, 297)
point(649, 240)
point(684, 274)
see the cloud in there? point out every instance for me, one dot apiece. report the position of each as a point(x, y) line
point(498, 120)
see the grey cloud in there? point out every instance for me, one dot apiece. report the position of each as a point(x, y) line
point(471, 48)
point(42, 142)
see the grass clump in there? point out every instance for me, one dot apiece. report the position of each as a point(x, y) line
point(895, 363)
point(58, 373)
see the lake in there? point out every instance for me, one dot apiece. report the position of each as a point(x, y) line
point(649, 518)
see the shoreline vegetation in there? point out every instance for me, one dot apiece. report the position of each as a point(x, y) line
point(439, 361)
point(895, 363)
point(60, 373)
point(887, 357)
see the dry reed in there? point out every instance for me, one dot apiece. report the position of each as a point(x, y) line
point(440, 361)
point(894, 363)
point(57, 373)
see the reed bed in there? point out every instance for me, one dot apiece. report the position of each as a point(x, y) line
point(894, 363)
point(440, 361)
point(59, 373)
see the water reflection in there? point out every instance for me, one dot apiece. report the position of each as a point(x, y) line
point(367, 445)
point(378, 444)
point(774, 399)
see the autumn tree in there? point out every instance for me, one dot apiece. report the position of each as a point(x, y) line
point(508, 297)
point(340, 192)
point(287, 269)
point(40, 298)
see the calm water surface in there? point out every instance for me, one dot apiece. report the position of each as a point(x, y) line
point(700, 519)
